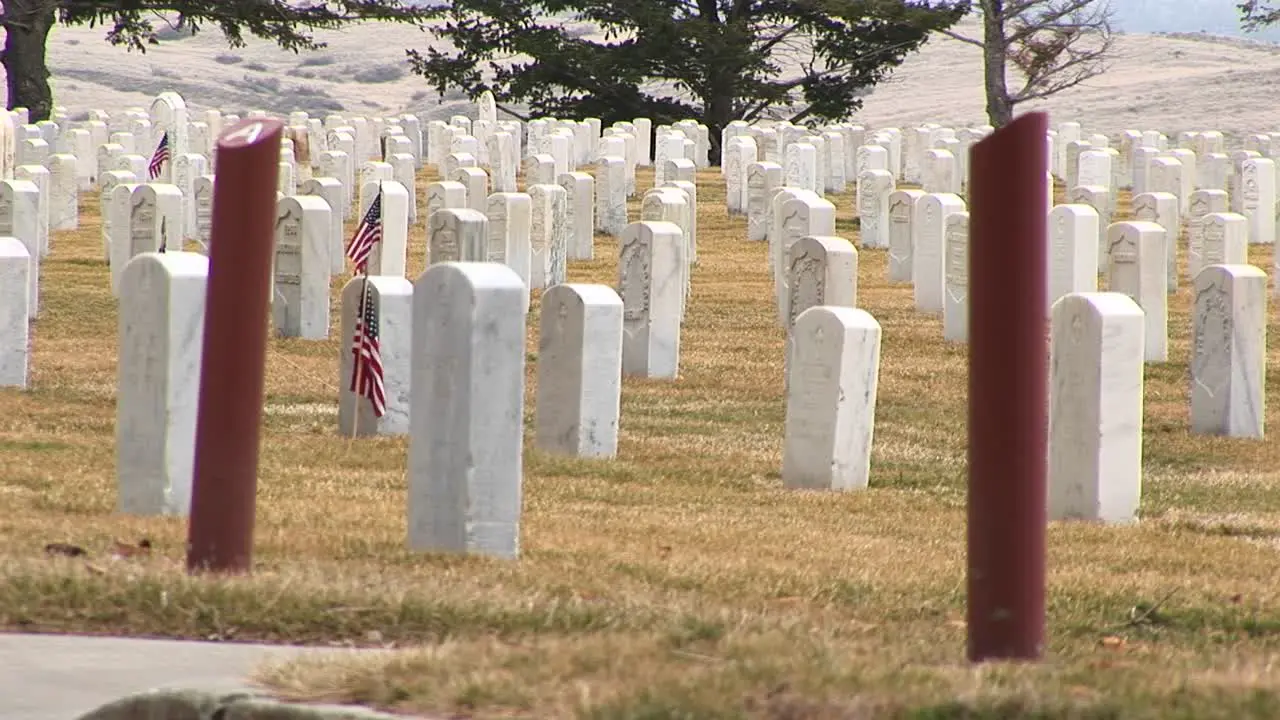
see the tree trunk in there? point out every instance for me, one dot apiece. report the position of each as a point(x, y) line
point(718, 115)
point(27, 24)
point(995, 51)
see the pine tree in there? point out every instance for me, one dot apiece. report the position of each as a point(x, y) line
point(131, 23)
point(711, 60)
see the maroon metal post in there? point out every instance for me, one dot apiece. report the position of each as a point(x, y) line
point(1008, 409)
point(229, 420)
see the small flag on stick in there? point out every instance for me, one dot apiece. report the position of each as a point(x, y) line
point(366, 370)
point(368, 233)
point(159, 157)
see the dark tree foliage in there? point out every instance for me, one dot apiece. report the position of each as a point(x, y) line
point(669, 60)
point(1258, 14)
point(133, 24)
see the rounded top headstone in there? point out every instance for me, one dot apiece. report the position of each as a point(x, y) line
point(173, 264)
point(12, 247)
point(849, 318)
point(473, 274)
point(585, 293)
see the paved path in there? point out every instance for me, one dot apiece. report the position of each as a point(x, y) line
point(60, 677)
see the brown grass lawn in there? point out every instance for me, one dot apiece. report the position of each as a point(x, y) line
point(679, 580)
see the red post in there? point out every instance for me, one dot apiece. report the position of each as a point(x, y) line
point(228, 426)
point(1008, 407)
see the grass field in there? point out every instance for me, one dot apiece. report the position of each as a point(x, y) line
point(679, 580)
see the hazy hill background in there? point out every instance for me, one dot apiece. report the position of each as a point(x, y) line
point(1218, 17)
point(1156, 81)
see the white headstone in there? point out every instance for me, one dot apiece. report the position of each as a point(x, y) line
point(1136, 267)
point(547, 237)
point(202, 201)
point(579, 371)
point(169, 117)
point(874, 189)
point(389, 254)
point(902, 207)
point(300, 301)
point(1095, 408)
point(803, 216)
point(405, 168)
point(161, 337)
point(504, 161)
point(1162, 208)
point(186, 169)
point(467, 368)
point(1073, 251)
point(457, 235)
point(832, 378)
point(650, 268)
point(801, 167)
point(1229, 351)
point(579, 190)
point(1219, 238)
point(330, 190)
point(445, 194)
point(39, 176)
point(19, 218)
point(336, 164)
point(389, 301)
point(941, 173)
point(611, 195)
point(739, 152)
point(510, 223)
point(955, 301)
point(539, 169)
point(689, 226)
point(15, 313)
point(824, 271)
point(928, 248)
point(117, 209)
point(762, 178)
point(64, 206)
point(874, 157)
point(1258, 199)
point(155, 218)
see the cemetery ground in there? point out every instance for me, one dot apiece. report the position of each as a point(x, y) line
point(680, 579)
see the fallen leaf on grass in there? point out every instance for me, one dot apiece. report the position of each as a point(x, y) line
point(67, 549)
point(127, 550)
point(1113, 642)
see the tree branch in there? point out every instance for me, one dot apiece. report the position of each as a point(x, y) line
point(957, 36)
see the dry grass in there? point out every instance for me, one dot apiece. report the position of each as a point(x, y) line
point(678, 580)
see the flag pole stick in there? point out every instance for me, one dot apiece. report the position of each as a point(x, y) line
point(355, 358)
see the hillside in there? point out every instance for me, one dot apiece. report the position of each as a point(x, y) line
point(1156, 82)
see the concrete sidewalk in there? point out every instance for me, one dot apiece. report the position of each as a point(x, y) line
point(61, 677)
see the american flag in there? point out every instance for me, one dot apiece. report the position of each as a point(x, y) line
point(366, 370)
point(369, 232)
point(159, 157)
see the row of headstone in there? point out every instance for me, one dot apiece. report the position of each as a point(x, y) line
point(1098, 349)
point(759, 158)
point(453, 342)
point(926, 232)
